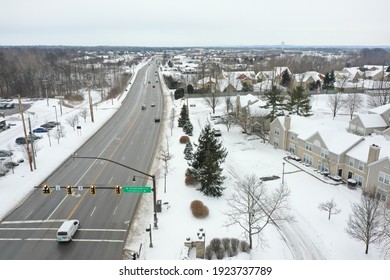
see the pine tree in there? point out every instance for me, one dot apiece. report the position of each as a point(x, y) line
point(299, 102)
point(183, 116)
point(286, 79)
point(274, 101)
point(188, 151)
point(207, 161)
point(188, 127)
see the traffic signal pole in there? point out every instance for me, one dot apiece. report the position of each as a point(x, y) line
point(154, 189)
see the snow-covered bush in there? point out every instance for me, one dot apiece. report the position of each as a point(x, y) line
point(199, 210)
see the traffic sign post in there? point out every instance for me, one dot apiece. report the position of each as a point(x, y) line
point(137, 189)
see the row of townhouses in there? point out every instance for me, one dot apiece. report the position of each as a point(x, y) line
point(364, 158)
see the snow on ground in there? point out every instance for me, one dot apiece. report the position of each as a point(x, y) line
point(313, 236)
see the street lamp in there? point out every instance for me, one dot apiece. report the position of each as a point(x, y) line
point(283, 173)
point(154, 189)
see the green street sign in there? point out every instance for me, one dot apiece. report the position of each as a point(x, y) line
point(137, 189)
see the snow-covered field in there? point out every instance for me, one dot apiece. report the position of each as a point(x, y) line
point(312, 236)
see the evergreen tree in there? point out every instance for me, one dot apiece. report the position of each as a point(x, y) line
point(188, 128)
point(299, 102)
point(329, 80)
point(188, 151)
point(274, 101)
point(206, 163)
point(286, 79)
point(183, 116)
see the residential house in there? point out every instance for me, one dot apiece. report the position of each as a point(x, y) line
point(377, 120)
point(307, 79)
point(363, 159)
point(251, 108)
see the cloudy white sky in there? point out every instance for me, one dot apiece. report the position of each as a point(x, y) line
point(194, 23)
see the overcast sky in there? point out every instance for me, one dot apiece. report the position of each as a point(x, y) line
point(194, 23)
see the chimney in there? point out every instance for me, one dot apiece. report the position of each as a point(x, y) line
point(373, 153)
point(287, 122)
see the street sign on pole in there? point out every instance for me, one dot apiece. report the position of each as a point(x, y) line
point(136, 189)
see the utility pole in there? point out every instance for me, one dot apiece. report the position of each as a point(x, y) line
point(90, 101)
point(25, 133)
point(32, 144)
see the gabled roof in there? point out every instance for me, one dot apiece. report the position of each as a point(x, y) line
point(380, 109)
point(360, 152)
point(372, 120)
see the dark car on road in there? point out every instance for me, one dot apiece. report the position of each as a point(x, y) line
point(48, 125)
point(22, 140)
point(5, 153)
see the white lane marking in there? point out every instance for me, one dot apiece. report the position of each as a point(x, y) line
point(77, 240)
point(80, 229)
point(28, 215)
point(32, 221)
point(77, 183)
point(116, 207)
point(93, 211)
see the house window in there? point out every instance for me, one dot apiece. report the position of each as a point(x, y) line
point(324, 153)
point(309, 146)
point(384, 178)
point(323, 166)
point(359, 180)
point(382, 195)
point(277, 131)
point(351, 162)
point(307, 159)
point(292, 136)
point(292, 148)
point(361, 165)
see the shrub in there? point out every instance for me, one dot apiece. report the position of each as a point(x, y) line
point(215, 243)
point(220, 253)
point(184, 139)
point(226, 243)
point(231, 253)
point(208, 254)
point(199, 210)
point(244, 246)
point(190, 181)
point(234, 242)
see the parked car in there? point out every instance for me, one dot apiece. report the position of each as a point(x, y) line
point(22, 140)
point(152, 105)
point(10, 164)
point(143, 107)
point(53, 123)
point(4, 153)
point(217, 132)
point(40, 130)
point(157, 119)
point(47, 125)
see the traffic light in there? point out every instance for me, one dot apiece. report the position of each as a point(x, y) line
point(92, 189)
point(117, 190)
point(69, 189)
point(45, 189)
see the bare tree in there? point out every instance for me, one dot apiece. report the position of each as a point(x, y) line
point(212, 100)
point(252, 208)
point(73, 121)
point(229, 105)
point(335, 103)
point(366, 221)
point(330, 207)
point(165, 156)
point(84, 113)
point(378, 98)
point(354, 102)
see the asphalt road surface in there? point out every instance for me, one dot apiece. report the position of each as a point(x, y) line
point(128, 138)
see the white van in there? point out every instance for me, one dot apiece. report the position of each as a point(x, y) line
point(67, 230)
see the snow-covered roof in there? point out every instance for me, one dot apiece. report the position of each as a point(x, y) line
point(332, 136)
point(310, 74)
point(372, 120)
point(266, 85)
point(360, 152)
point(380, 109)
